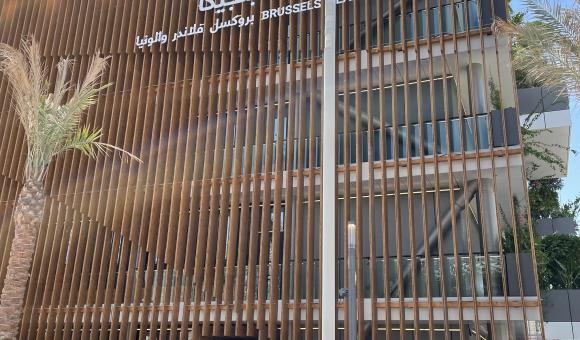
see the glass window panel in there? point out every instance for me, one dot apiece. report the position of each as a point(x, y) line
point(473, 14)
point(482, 132)
point(428, 139)
point(434, 21)
point(447, 19)
point(459, 17)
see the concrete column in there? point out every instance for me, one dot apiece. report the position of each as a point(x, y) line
point(501, 330)
point(328, 206)
point(479, 88)
point(489, 214)
point(462, 81)
point(475, 85)
point(352, 314)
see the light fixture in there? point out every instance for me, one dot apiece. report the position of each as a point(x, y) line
point(351, 234)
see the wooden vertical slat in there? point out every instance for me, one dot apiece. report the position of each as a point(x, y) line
point(312, 227)
point(264, 254)
point(358, 169)
point(450, 177)
point(483, 223)
point(383, 147)
point(192, 169)
point(409, 176)
point(241, 285)
point(163, 175)
point(223, 136)
point(299, 200)
point(148, 205)
point(58, 258)
point(121, 211)
point(178, 242)
point(290, 206)
point(424, 218)
point(89, 257)
point(487, 224)
point(134, 207)
point(259, 201)
point(204, 168)
point(370, 112)
point(513, 220)
point(179, 188)
point(234, 110)
point(126, 194)
point(68, 263)
point(281, 48)
point(437, 180)
point(46, 320)
point(396, 182)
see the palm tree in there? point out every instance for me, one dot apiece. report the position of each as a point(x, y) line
point(548, 49)
point(52, 127)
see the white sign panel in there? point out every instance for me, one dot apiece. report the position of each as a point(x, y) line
point(239, 21)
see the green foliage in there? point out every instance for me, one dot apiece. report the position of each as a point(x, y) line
point(545, 202)
point(535, 147)
point(541, 151)
point(549, 50)
point(51, 120)
point(546, 53)
point(543, 195)
point(560, 265)
point(495, 96)
point(570, 209)
point(517, 18)
point(532, 146)
point(521, 237)
point(522, 80)
point(530, 72)
point(86, 141)
point(558, 256)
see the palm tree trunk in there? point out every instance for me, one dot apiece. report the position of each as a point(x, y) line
point(27, 221)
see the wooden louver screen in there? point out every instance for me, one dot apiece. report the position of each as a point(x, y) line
point(217, 233)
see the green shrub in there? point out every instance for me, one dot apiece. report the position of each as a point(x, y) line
point(559, 262)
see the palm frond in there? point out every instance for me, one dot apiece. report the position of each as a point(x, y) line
point(51, 125)
point(61, 85)
point(548, 50)
point(15, 68)
point(84, 141)
point(110, 147)
point(87, 142)
point(559, 19)
point(547, 59)
point(85, 95)
point(36, 69)
point(96, 68)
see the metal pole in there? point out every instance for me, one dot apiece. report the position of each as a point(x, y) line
point(328, 261)
point(352, 316)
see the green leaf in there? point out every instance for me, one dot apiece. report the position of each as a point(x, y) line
point(85, 141)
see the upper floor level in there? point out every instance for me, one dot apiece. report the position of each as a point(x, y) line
point(361, 26)
point(546, 125)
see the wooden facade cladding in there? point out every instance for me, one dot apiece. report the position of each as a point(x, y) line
point(222, 219)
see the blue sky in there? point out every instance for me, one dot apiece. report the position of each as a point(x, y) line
point(571, 188)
